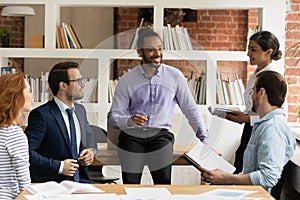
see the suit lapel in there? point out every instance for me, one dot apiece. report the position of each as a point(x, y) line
point(54, 110)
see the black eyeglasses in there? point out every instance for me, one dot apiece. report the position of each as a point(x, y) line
point(79, 81)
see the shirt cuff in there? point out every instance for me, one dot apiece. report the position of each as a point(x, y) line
point(253, 119)
point(95, 152)
point(202, 135)
point(61, 167)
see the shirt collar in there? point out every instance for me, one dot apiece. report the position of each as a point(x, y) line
point(270, 67)
point(61, 105)
point(157, 73)
point(271, 114)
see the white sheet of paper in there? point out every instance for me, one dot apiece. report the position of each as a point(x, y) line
point(207, 158)
point(147, 193)
point(226, 194)
point(72, 197)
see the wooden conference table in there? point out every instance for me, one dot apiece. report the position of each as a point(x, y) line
point(178, 189)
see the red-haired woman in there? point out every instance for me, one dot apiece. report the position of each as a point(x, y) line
point(15, 97)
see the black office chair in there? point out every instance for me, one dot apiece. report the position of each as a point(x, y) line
point(95, 172)
point(291, 183)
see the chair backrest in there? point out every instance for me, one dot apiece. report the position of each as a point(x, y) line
point(100, 134)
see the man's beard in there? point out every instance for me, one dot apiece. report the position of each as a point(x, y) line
point(74, 97)
point(254, 106)
point(149, 62)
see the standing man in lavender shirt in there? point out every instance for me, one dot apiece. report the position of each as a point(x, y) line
point(142, 109)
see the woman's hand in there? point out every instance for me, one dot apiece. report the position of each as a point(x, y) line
point(237, 116)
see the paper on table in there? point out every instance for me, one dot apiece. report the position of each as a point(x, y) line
point(146, 194)
point(226, 194)
point(202, 155)
point(72, 197)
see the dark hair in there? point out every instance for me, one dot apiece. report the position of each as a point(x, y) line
point(12, 98)
point(275, 86)
point(59, 73)
point(144, 33)
point(267, 40)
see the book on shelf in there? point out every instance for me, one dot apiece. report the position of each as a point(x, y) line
point(170, 37)
point(225, 92)
point(180, 37)
point(39, 86)
point(7, 70)
point(229, 92)
point(59, 44)
point(197, 87)
point(62, 37)
point(202, 155)
point(89, 90)
point(66, 37)
point(176, 38)
point(64, 187)
point(220, 94)
point(74, 35)
point(240, 89)
point(112, 84)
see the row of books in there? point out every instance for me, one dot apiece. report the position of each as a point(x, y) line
point(90, 91)
point(176, 38)
point(39, 87)
point(66, 37)
point(6, 70)
point(198, 87)
point(230, 92)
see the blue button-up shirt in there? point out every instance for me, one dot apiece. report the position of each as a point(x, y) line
point(156, 98)
point(271, 146)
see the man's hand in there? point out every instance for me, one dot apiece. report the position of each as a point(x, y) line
point(237, 116)
point(70, 166)
point(137, 120)
point(86, 157)
point(216, 176)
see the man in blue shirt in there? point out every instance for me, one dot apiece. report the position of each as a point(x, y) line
point(142, 109)
point(272, 143)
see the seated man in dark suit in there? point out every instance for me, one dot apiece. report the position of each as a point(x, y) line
point(61, 145)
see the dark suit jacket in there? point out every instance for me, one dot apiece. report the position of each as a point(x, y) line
point(49, 142)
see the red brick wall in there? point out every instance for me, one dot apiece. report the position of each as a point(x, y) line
point(292, 58)
point(16, 24)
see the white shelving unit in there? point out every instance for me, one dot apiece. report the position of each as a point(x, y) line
point(268, 19)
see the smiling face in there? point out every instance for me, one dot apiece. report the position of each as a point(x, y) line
point(152, 52)
point(258, 56)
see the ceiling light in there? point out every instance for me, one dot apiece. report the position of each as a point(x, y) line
point(17, 11)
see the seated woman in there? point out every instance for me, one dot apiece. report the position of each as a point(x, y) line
point(15, 97)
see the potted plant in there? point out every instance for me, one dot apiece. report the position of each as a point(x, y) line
point(5, 34)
